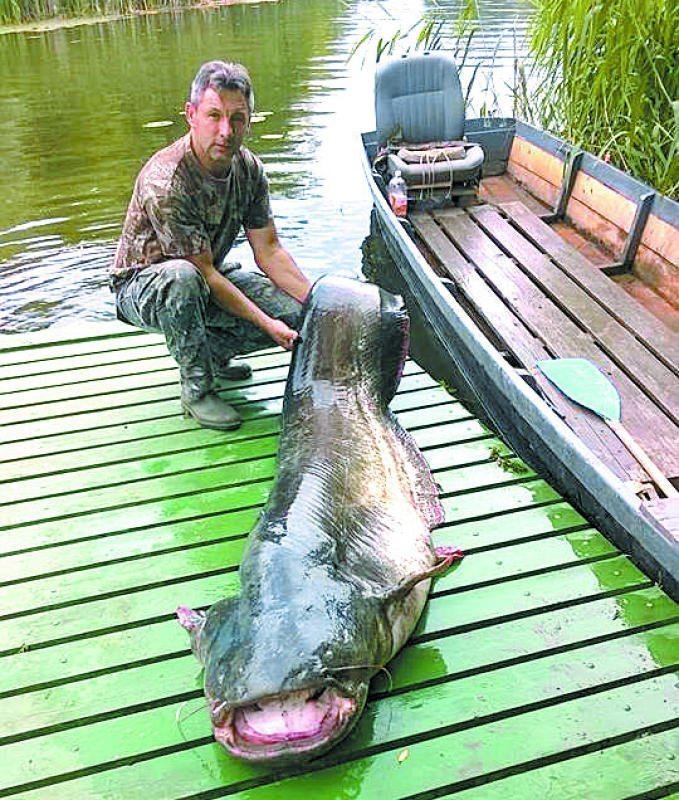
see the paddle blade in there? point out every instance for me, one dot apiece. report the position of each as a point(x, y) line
point(584, 383)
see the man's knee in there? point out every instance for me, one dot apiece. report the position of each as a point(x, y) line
point(181, 281)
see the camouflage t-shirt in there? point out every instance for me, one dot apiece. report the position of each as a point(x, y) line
point(178, 209)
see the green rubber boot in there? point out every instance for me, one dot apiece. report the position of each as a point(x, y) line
point(210, 411)
point(234, 372)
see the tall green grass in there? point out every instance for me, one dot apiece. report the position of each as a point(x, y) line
point(434, 31)
point(605, 76)
point(601, 75)
point(20, 11)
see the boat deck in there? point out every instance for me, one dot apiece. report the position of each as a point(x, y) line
point(544, 663)
point(539, 293)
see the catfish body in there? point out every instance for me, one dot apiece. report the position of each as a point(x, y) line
point(337, 569)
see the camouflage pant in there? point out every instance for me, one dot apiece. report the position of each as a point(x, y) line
point(173, 298)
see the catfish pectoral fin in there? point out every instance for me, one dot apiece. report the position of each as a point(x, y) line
point(446, 556)
point(193, 622)
point(189, 619)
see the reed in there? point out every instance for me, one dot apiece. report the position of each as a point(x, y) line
point(605, 77)
point(22, 11)
point(434, 31)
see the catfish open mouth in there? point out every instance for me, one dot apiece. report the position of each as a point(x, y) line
point(294, 724)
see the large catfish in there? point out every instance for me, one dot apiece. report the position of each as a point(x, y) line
point(338, 567)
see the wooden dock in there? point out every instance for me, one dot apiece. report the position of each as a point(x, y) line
point(543, 667)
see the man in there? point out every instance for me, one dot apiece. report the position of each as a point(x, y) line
point(190, 201)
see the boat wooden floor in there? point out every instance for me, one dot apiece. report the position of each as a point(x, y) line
point(538, 294)
point(544, 665)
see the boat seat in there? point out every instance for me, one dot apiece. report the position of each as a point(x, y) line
point(418, 99)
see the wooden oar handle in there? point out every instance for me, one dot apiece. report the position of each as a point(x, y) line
point(643, 458)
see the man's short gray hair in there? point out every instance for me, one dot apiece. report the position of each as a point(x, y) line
point(222, 76)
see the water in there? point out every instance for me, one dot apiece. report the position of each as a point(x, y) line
point(82, 108)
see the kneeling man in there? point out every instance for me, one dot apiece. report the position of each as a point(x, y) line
point(189, 203)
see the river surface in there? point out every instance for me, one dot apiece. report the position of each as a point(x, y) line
point(82, 108)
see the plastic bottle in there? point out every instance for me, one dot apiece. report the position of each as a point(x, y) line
point(397, 192)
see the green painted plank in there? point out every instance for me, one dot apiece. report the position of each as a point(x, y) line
point(134, 494)
point(177, 441)
point(51, 400)
point(50, 366)
point(34, 471)
point(458, 508)
point(504, 587)
point(109, 424)
point(509, 527)
point(635, 768)
point(104, 615)
point(98, 580)
point(74, 556)
point(92, 366)
point(124, 377)
point(42, 712)
point(203, 480)
point(86, 584)
point(536, 591)
point(434, 657)
point(77, 337)
point(156, 419)
point(116, 427)
point(133, 395)
point(69, 377)
point(431, 657)
point(495, 500)
point(460, 757)
point(41, 715)
point(203, 453)
point(509, 597)
point(514, 525)
point(474, 749)
point(72, 382)
point(21, 562)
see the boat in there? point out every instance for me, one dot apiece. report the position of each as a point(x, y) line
point(539, 252)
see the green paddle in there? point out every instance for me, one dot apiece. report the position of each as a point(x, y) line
point(585, 384)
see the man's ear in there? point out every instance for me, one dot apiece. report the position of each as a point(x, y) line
point(189, 112)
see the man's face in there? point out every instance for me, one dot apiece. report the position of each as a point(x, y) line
point(218, 125)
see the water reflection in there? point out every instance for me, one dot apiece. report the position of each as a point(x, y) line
point(81, 109)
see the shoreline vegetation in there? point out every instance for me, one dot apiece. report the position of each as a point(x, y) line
point(41, 16)
point(602, 77)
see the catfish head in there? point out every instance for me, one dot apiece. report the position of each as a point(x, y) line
point(289, 683)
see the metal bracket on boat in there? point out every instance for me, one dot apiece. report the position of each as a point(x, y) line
point(633, 237)
point(644, 491)
point(408, 226)
point(570, 170)
point(452, 287)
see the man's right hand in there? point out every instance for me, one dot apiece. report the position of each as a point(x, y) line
point(281, 333)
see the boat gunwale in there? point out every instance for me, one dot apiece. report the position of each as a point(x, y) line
point(635, 532)
point(610, 176)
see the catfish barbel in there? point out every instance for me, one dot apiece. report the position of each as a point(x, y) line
point(337, 569)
